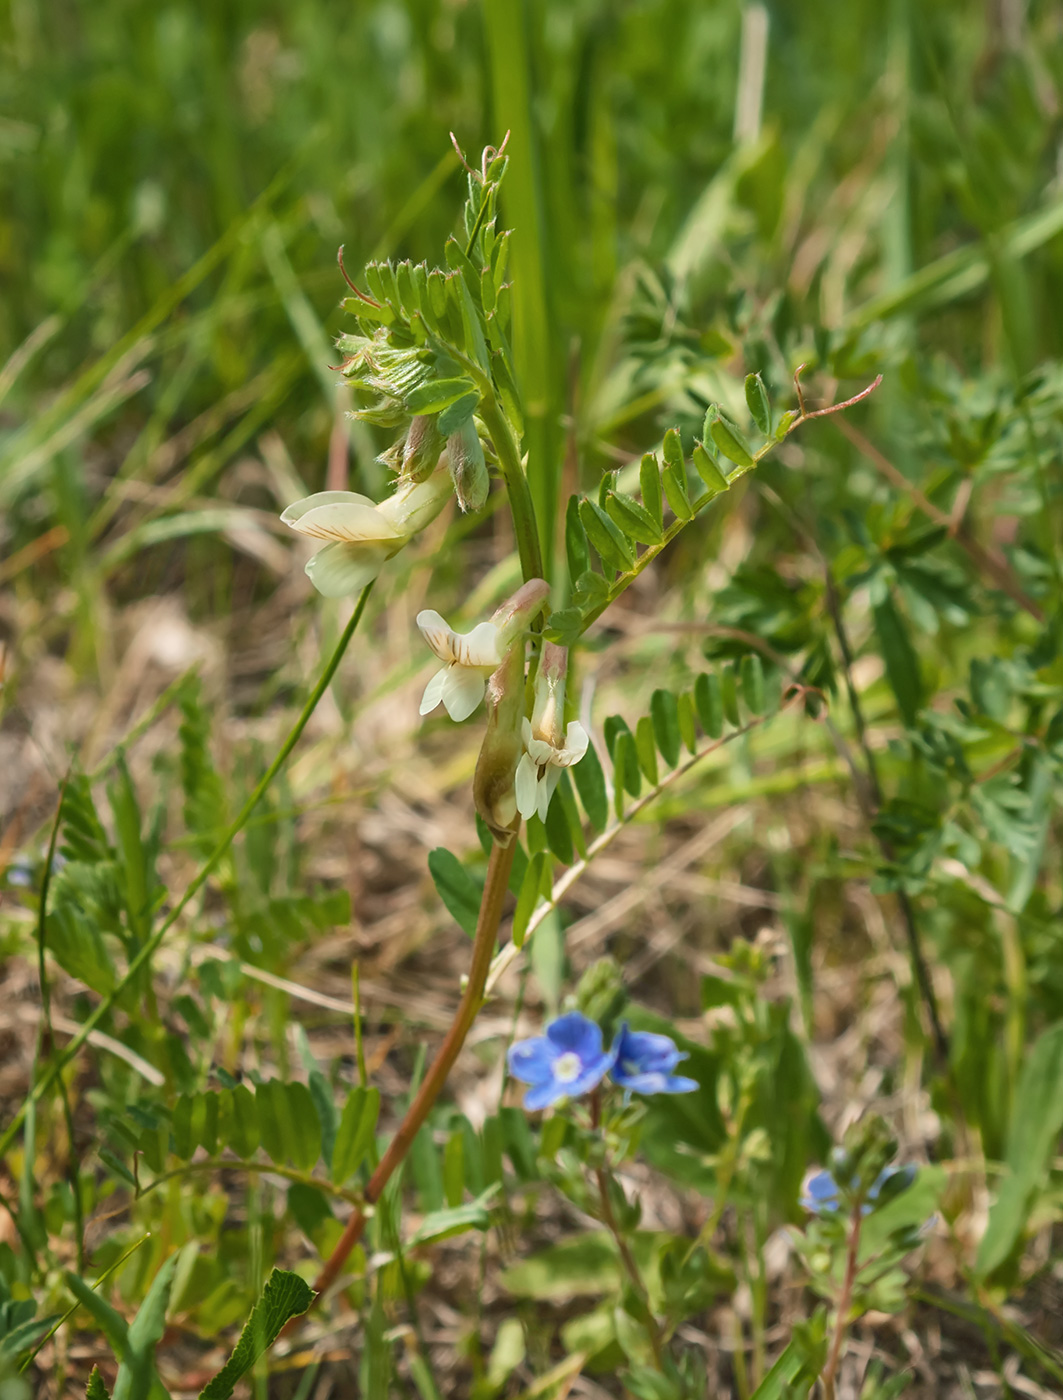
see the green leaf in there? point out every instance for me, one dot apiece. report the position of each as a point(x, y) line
point(558, 836)
point(664, 713)
point(456, 1220)
point(285, 1296)
point(687, 721)
point(244, 1130)
point(530, 891)
point(729, 440)
point(458, 413)
point(674, 481)
point(354, 1137)
point(729, 694)
point(109, 1321)
point(457, 889)
point(567, 797)
point(751, 676)
point(788, 1379)
point(650, 486)
point(646, 749)
point(590, 784)
point(576, 547)
point(633, 519)
point(902, 664)
point(305, 1146)
point(136, 1375)
point(606, 537)
point(1036, 1122)
point(438, 394)
point(626, 763)
point(96, 1390)
point(708, 699)
point(708, 470)
point(758, 402)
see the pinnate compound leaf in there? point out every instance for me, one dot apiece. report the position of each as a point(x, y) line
point(635, 521)
point(708, 469)
point(730, 441)
point(456, 887)
point(285, 1296)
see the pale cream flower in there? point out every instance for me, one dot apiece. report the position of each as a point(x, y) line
point(469, 658)
point(549, 748)
point(361, 535)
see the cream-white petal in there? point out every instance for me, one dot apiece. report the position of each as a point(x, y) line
point(478, 647)
point(541, 751)
point(339, 570)
point(436, 632)
point(547, 786)
point(577, 741)
point(298, 509)
point(433, 692)
point(346, 522)
point(463, 689)
point(525, 786)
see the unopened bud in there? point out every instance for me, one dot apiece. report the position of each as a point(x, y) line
point(492, 784)
point(422, 448)
point(468, 469)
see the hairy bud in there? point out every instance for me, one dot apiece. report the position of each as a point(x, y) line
point(422, 448)
point(468, 469)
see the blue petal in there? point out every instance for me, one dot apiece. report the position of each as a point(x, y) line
point(820, 1193)
point(575, 1034)
point(532, 1061)
point(591, 1075)
point(648, 1051)
point(543, 1095)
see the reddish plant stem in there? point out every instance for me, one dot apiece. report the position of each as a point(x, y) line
point(845, 1300)
point(495, 886)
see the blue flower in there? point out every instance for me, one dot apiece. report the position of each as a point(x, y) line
point(822, 1194)
point(562, 1064)
point(643, 1063)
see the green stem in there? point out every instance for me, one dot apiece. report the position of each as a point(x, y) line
point(845, 1300)
point(495, 887)
point(520, 501)
point(151, 947)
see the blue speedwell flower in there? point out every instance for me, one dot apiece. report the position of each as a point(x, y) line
point(644, 1063)
point(822, 1193)
point(562, 1064)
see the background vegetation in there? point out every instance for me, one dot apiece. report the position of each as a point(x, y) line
point(876, 872)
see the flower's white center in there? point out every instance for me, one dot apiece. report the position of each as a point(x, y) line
point(567, 1067)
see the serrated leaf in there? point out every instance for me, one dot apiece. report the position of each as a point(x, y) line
point(530, 892)
point(565, 626)
point(96, 1390)
point(646, 748)
point(285, 1296)
point(758, 402)
point(730, 441)
point(590, 784)
point(354, 1137)
point(664, 713)
point(606, 537)
point(456, 887)
point(708, 700)
point(632, 519)
point(438, 394)
point(650, 486)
